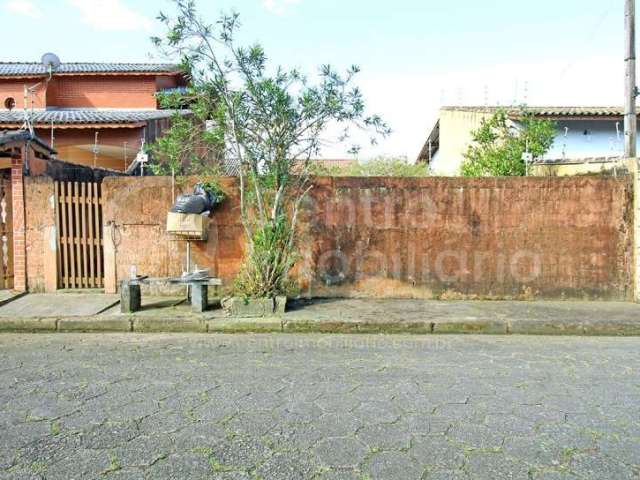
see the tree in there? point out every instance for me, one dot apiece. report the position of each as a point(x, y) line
point(270, 121)
point(498, 146)
point(376, 167)
point(188, 147)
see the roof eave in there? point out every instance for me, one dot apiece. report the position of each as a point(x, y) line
point(41, 147)
point(25, 137)
point(552, 113)
point(434, 140)
point(92, 74)
point(559, 118)
point(59, 126)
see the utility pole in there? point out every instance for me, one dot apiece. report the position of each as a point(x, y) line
point(630, 119)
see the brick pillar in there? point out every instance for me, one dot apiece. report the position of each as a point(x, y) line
point(18, 213)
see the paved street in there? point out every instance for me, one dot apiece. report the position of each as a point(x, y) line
point(318, 407)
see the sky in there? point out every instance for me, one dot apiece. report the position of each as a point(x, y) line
point(415, 55)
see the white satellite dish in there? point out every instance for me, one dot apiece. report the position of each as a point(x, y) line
point(50, 61)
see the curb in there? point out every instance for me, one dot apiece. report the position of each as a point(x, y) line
point(133, 324)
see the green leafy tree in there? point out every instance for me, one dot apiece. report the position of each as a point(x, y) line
point(270, 121)
point(188, 147)
point(377, 167)
point(498, 146)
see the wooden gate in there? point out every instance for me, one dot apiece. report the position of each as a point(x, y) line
point(79, 226)
point(6, 233)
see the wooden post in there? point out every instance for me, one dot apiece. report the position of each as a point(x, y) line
point(630, 119)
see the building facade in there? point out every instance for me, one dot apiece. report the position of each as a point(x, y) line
point(95, 114)
point(585, 136)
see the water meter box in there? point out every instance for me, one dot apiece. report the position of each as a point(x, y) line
point(190, 225)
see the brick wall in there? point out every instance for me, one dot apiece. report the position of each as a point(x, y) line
point(40, 234)
point(89, 91)
point(421, 238)
point(98, 91)
point(15, 90)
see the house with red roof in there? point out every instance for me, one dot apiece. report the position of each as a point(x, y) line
point(94, 114)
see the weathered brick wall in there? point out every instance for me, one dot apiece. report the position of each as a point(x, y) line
point(433, 237)
point(40, 234)
point(488, 238)
point(134, 215)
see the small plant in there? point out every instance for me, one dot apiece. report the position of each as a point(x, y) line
point(114, 463)
point(38, 467)
point(55, 428)
point(206, 451)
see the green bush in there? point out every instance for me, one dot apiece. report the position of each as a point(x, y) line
point(378, 167)
point(499, 146)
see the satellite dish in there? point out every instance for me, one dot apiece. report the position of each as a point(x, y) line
point(50, 61)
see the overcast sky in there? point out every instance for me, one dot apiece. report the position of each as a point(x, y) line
point(415, 55)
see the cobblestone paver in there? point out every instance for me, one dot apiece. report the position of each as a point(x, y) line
point(318, 407)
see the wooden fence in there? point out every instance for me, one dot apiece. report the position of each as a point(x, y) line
point(79, 226)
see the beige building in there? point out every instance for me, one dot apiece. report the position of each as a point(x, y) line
point(588, 139)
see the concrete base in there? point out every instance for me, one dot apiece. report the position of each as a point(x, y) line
point(199, 298)
point(254, 307)
point(130, 298)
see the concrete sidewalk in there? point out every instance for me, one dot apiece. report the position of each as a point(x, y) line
point(100, 313)
point(58, 305)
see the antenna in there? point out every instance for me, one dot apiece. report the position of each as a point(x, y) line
point(51, 62)
point(96, 150)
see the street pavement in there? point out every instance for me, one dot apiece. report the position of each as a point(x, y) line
point(318, 407)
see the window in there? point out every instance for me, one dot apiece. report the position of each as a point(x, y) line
point(10, 103)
